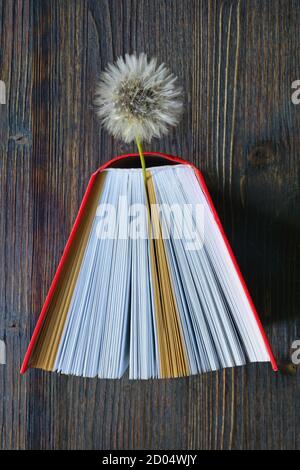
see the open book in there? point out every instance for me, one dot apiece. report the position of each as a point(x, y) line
point(147, 281)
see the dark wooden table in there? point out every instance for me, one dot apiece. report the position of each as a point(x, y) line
point(236, 61)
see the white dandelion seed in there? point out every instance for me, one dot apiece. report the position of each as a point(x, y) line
point(136, 99)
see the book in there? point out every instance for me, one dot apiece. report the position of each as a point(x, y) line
point(147, 282)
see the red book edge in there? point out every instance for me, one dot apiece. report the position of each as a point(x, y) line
point(55, 280)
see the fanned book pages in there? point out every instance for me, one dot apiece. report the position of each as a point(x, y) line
point(147, 282)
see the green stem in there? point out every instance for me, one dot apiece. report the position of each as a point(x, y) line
point(142, 158)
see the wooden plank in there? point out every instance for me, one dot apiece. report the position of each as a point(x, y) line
point(236, 61)
point(245, 138)
point(15, 216)
point(72, 42)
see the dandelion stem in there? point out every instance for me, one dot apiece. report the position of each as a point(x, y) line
point(142, 158)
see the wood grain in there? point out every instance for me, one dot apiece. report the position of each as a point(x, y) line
point(16, 214)
point(236, 60)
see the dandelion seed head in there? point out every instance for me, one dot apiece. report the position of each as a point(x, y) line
point(135, 98)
